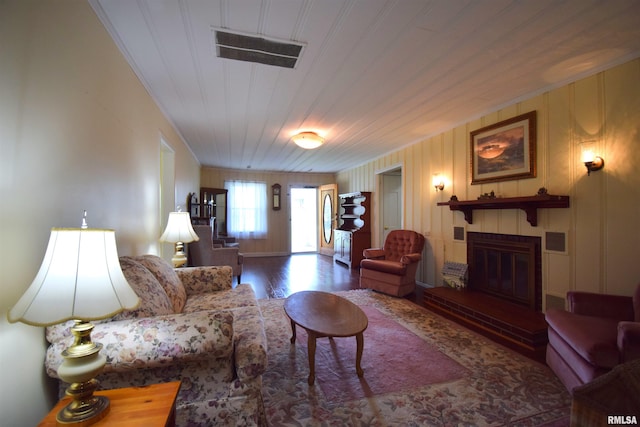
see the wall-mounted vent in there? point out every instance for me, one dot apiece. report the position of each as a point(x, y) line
point(555, 242)
point(458, 233)
point(257, 49)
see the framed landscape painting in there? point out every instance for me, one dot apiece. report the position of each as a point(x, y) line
point(505, 150)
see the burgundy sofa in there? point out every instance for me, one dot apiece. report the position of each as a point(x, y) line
point(598, 333)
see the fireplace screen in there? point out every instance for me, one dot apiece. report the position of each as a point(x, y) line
point(506, 266)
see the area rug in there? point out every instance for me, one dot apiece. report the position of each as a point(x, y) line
point(498, 387)
point(385, 363)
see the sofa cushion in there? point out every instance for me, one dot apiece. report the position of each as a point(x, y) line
point(169, 339)
point(203, 280)
point(153, 298)
point(375, 279)
point(240, 296)
point(159, 341)
point(168, 278)
point(593, 338)
point(569, 366)
point(384, 266)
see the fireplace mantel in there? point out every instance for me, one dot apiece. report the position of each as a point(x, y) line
point(529, 204)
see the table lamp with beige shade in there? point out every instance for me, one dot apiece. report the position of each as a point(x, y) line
point(179, 231)
point(80, 279)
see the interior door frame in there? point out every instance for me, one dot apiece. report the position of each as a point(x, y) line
point(378, 239)
point(324, 247)
point(290, 188)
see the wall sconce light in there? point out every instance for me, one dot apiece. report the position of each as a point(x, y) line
point(308, 140)
point(438, 182)
point(591, 161)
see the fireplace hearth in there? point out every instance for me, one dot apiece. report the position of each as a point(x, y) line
point(503, 297)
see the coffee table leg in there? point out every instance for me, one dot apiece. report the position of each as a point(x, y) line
point(359, 348)
point(293, 328)
point(311, 349)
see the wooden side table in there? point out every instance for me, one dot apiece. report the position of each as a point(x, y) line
point(153, 405)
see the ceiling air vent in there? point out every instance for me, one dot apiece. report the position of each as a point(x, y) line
point(257, 49)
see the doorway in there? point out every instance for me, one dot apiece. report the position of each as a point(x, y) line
point(328, 216)
point(391, 203)
point(304, 220)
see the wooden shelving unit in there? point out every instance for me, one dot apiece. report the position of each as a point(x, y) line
point(353, 235)
point(529, 204)
point(212, 204)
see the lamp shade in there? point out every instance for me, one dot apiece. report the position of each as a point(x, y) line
point(179, 229)
point(308, 140)
point(588, 156)
point(80, 278)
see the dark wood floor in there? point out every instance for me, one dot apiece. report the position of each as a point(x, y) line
point(280, 276)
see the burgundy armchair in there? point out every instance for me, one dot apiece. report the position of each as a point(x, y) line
point(598, 333)
point(392, 268)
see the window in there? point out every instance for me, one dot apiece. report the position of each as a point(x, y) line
point(247, 209)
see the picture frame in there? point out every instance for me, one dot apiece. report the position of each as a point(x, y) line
point(504, 151)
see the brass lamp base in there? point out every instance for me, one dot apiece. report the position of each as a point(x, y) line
point(82, 362)
point(81, 412)
point(179, 258)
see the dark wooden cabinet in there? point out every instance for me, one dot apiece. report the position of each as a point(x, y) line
point(353, 235)
point(212, 203)
point(342, 246)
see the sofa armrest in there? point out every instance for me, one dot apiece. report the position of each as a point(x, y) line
point(153, 342)
point(629, 340)
point(198, 280)
point(250, 343)
point(410, 258)
point(373, 253)
point(617, 307)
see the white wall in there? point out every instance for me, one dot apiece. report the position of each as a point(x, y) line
point(78, 131)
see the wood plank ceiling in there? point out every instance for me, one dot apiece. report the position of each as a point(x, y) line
point(373, 76)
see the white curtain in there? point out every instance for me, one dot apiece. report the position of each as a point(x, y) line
point(247, 207)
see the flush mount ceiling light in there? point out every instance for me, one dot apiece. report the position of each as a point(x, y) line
point(308, 140)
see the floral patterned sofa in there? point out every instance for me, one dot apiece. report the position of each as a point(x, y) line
point(192, 326)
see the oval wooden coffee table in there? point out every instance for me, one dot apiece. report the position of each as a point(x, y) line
point(323, 314)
